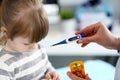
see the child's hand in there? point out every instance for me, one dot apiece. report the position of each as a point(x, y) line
point(53, 76)
point(74, 77)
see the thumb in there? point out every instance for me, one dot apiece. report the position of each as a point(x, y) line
point(87, 40)
point(73, 77)
point(48, 76)
point(87, 77)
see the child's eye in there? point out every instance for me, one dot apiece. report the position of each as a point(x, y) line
point(26, 44)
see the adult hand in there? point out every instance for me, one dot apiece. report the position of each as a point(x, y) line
point(74, 77)
point(100, 34)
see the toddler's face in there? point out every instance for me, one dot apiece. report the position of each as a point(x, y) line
point(20, 44)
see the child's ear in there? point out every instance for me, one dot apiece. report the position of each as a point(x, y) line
point(4, 31)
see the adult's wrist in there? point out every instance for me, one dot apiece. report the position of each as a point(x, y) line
point(116, 43)
point(118, 46)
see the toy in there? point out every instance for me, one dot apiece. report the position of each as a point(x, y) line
point(77, 68)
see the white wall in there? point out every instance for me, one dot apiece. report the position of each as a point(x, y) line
point(70, 2)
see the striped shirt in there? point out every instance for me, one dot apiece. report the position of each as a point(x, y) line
point(24, 66)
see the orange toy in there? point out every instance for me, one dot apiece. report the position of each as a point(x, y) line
point(77, 68)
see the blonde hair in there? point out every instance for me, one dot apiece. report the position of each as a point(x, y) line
point(25, 18)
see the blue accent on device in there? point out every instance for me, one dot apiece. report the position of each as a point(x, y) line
point(70, 39)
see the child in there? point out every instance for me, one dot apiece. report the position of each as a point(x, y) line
point(23, 24)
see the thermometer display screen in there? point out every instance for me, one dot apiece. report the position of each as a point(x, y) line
point(73, 38)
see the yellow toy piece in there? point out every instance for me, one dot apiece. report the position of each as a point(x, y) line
point(77, 68)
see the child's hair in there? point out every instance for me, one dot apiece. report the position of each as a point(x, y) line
point(25, 18)
point(0, 10)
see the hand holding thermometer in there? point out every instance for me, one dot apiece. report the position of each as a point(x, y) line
point(70, 39)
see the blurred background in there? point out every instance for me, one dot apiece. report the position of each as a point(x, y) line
point(68, 16)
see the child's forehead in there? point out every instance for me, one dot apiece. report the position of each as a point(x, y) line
point(22, 39)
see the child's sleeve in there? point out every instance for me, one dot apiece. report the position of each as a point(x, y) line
point(5, 72)
point(50, 67)
point(48, 63)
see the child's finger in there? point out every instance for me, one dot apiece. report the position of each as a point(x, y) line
point(58, 78)
point(54, 76)
point(44, 79)
point(48, 76)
